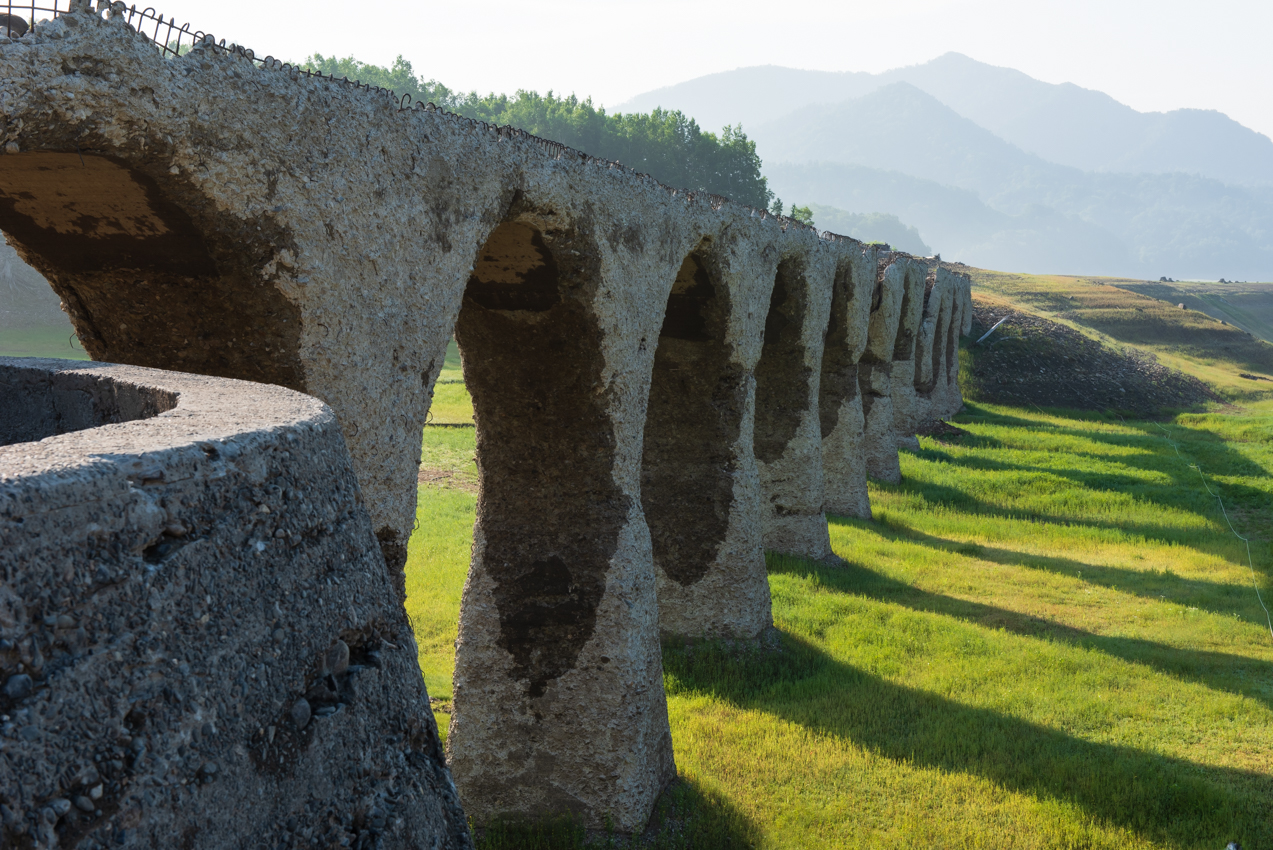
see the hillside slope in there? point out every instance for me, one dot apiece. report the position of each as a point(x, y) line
point(1249, 306)
point(1028, 360)
point(1232, 362)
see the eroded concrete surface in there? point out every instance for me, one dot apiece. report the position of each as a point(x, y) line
point(664, 383)
point(199, 642)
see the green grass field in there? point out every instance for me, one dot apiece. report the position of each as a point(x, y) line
point(452, 404)
point(1046, 638)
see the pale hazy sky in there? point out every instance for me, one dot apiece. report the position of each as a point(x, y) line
point(1153, 55)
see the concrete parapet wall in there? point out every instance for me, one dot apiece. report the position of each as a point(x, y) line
point(665, 383)
point(199, 642)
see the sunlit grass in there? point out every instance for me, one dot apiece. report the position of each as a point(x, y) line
point(451, 404)
point(1047, 638)
point(437, 563)
point(449, 455)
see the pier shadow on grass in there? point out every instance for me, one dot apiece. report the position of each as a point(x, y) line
point(1225, 599)
point(1197, 444)
point(1220, 671)
point(1183, 490)
point(1163, 799)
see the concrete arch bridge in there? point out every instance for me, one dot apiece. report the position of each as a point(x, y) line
point(665, 384)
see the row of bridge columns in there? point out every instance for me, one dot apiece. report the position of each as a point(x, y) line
point(665, 385)
point(777, 382)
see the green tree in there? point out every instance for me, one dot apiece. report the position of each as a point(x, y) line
point(804, 215)
point(664, 143)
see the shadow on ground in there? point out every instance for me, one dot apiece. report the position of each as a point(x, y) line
point(1160, 798)
point(1232, 600)
point(1221, 671)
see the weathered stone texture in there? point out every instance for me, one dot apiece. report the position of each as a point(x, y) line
point(907, 415)
point(840, 399)
point(875, 372)
point(700, 488)
point(788, 436)
point(185, 559)
point(558, 692)
point(664, 383)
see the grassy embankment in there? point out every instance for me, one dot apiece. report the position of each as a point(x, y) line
point(1247, 305)
point(1047, 637)
point(1109, 310)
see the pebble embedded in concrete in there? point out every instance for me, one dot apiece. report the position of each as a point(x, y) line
point(337, 661)
point(301, 713)
point(19, 686)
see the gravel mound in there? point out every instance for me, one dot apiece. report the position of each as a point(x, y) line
point(1029, 360)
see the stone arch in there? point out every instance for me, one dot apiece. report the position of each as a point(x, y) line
point(710, 566)
point(875, 371)
point(906, 405)
point(839, 397)
point(549, 663)
point(788, 442)
point(150, 272)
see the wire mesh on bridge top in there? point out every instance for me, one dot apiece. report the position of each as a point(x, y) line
point(171, 38)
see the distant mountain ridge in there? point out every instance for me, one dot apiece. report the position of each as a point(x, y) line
point(895, 147)
point(1061, 123)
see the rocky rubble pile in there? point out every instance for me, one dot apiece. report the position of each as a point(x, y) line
point(1030, 360)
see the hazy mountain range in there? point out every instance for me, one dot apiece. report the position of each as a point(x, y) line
point(998, 169)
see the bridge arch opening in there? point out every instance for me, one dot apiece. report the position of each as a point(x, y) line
point(840, 414)
point(549, 510)
point(782, 376)
point(929, 357)
point(838, 384)
point(787, 443)
point(912, 308)
point(710, 571)
point(150, 273)
point(556, 658)
point(692, 422)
